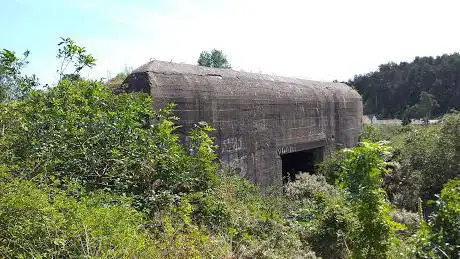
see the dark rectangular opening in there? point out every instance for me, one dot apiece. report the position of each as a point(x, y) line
point(302, 161)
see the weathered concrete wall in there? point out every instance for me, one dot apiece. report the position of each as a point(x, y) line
point(257, 117)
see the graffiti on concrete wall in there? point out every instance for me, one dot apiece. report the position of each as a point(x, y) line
point(285, 150)
point(232, 144)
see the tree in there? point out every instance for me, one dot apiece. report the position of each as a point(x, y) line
point(406, 116)
point(424, 108)
point(70, 53)
point(13, 84)
point(214, 58)
point(389, 90)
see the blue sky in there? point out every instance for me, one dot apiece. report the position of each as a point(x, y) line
point(38, 26)
point(320, 40)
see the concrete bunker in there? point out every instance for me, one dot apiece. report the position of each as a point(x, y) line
point(260, 120)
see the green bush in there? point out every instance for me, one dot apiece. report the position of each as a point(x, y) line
point(372, 133)
point(325, 220)
point(258, 227)
point(330, 167)
point(13, 83)
point(361, 176)
point(177, 235)
point(440, 236)
point(38, 221)
point(380, 132)
point(45, 222)
point(427, 157)
point(81, 131)
point(410, 219)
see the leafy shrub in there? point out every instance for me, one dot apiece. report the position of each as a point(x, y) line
point(440, 236)
point(407, 218)
point(46, 222)
point(307, 186)
point(428, 157)
point(81, 131)
point(380, 132)
point(258, 227)
point(361, 176)
point(372, 133)
point(38, 221)
point(178, 236)
point(330, 167)
point(320, 211)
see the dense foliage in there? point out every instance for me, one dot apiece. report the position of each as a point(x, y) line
point(440, 236)
point(87, 173)
point(361, 175)
point(425, 158)
point(320, 210)
point(80, 131)
point(214, 58)
point(46, 222)
point(395, 89)
point(82, 150)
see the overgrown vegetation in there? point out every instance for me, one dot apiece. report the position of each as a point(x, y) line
point(425, 157)
point(440, 236)
point(44, 221)
point(425, 163)
point(426, 86)
point(88, 173)
point(361, 175)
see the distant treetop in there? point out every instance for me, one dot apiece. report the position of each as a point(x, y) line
point(214, 58)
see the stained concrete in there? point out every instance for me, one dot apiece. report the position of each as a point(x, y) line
point(258, 118)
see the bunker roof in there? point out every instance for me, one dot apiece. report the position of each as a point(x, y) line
point(243, 81)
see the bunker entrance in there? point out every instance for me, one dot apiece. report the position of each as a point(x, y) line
point(302, 161)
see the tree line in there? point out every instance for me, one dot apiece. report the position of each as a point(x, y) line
point(425, 87)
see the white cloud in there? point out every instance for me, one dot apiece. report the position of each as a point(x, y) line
point(321, 40)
